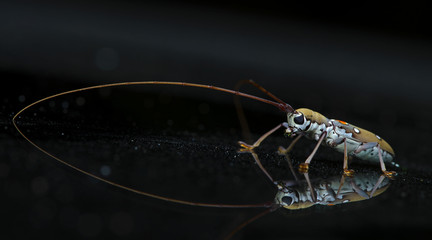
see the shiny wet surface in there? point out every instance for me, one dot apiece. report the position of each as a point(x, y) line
point(183, 148)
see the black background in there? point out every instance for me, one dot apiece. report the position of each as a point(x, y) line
point(366, 63)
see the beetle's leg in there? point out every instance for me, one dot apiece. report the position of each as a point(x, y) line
point(347, 172)
point(283, 151)
point(331, 192)
point(341, 183)
point(389, 174)
point(247, 147)
point(366, 146)
point(304, 167)
point(312, 189)
point(379, 181)
point(358, 190)
point(255, 156)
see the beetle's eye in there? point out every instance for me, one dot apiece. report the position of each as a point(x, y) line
point(287, 200)
point(299, 119)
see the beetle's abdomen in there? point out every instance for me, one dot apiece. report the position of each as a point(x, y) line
point(371, 155)
point(360, 143)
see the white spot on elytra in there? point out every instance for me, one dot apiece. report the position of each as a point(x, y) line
point(356, 130)
point(378, 137)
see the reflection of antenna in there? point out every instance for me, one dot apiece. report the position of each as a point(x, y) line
point(125, 187)
point(249, 221)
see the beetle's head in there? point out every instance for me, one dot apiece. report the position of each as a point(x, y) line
point(286, 197)
point(296, 123)
point(289, 197)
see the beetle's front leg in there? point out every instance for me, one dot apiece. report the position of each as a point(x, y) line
point(247, 147)
point(283, 151)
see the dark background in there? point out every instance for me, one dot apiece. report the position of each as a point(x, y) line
point(366, 63)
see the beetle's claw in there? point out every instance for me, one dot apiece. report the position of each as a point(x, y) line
point(282, 150)
point(303, 167)
point(348, 172)
point(390, 174)
point(245, 147)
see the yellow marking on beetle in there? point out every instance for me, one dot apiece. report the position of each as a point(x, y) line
point(313, 116)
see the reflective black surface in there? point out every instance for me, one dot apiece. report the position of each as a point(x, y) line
point(182, 143)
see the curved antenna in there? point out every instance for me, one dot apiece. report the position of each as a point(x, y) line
point(249, 221)
point(279, 105)
point(265, 205)
point(285, 107)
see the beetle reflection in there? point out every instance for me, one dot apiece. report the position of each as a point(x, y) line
point(306, 192)
point(330, 191)
point(299, 194)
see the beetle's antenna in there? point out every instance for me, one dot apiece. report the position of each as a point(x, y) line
point(281, 105)
point(167, 199)
point(285, 107)
point(247, 222)
point(265, 205)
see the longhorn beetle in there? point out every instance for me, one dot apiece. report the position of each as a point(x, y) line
point(343, 137)
point(337, 134)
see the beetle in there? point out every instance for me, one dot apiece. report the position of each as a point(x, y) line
point(329, 191)
point(339, 135)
